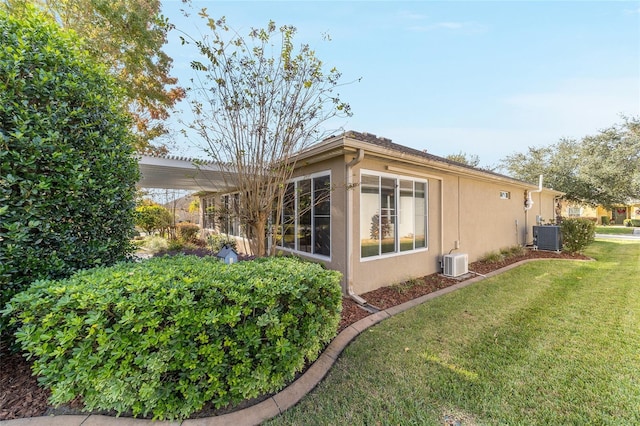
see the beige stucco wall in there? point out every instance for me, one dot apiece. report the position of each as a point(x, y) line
point(463, 211)
point(470, 215)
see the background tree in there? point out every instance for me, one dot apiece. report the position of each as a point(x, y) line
point(67, 171)
point(464, 158)
point(128, 36)
point(153, 217)
point(261, 100)
point(601, 169)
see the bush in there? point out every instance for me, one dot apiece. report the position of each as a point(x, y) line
point(577, 234)
point(605, 220)
point(156, 243)
point(67, 171)
point(492, 257)
point(187, 232)
point(627, 222)
point(153, 217)
point(215, 242)
point(166, 335)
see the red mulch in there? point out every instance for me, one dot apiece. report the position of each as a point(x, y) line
point(20, 395)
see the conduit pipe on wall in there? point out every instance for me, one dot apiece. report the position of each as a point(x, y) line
point(349, 266)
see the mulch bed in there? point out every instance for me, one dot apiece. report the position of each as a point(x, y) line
point(20, 395)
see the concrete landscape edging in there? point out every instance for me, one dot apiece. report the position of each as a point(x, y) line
point(283, 400)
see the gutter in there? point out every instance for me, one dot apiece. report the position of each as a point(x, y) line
point(349, 266)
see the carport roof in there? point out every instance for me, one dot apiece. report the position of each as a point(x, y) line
point(180, 173)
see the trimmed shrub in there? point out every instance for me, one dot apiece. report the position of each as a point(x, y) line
point(605, 220)
point(67, 170)
point(187, 232)
point(215, 242)
point(627, 222)
point(167, 335)
point(577, 234)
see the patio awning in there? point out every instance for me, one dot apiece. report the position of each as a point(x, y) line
point(180, 173)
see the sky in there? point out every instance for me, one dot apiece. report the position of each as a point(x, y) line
point(485, 78)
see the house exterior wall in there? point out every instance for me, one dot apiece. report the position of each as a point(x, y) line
point(572, 209)
point(338, 259)
point(465, 215)
point(466, 212)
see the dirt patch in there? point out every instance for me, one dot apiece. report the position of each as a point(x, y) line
point(20, 395)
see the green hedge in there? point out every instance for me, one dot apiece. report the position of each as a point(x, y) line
point(577, 234)
point(169, 334)
point(67, 170)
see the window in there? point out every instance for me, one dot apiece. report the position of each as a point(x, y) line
point(393, 215)
point(208, 213)
point(505, 195)
point(575, 211)
point(229, 212)
point(306, 216)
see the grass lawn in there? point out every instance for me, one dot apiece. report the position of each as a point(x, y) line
point(615, 230)
point(551, 342)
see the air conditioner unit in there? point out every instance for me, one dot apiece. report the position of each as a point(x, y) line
point(455, 265)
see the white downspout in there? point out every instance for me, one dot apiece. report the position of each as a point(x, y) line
point(529, 202)
point(527, 206)
point(349, 266)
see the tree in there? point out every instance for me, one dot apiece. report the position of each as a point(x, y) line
point(260, 102)
point(67, 170)
point(153, 217)
point(601, 169)
point(464, 158)
point(128, 36)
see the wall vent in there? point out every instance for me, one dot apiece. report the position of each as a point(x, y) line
point(455, 265)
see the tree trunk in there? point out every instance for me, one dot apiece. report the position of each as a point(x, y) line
point(258, 238)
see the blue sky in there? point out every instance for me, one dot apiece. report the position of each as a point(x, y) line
point(488, 78)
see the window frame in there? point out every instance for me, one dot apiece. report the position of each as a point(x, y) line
point(311, 178)
point(398, 214)
point(229, 215)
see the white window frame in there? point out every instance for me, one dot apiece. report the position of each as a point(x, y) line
point(280, 245)
point(231, 218)
point(397, 251)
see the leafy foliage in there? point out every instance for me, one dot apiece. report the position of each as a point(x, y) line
point(153, 217)
point(216, 242)
point(602, 169)
point(472, 160)
point(187, 232)
point(127, 36)
point(261, 100)
point(577, 233)
point(67, 173)
point(167, 335)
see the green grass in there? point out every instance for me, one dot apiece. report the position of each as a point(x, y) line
point(614, 230)
point(550, 342)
